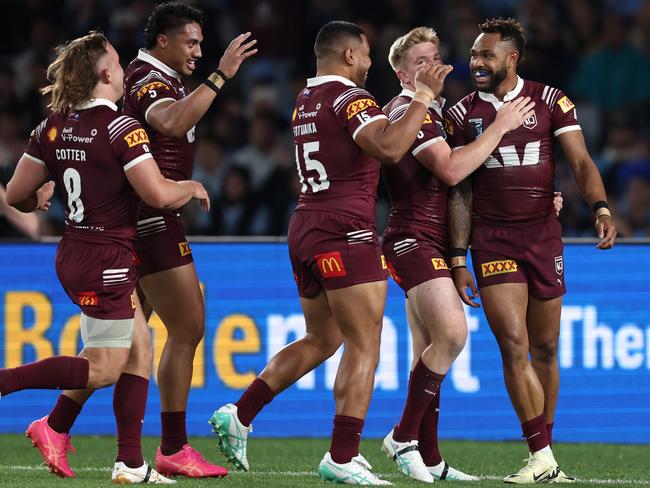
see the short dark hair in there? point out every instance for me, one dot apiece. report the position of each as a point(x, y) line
point(167, 17)
point(333, 33)
point(509, 29)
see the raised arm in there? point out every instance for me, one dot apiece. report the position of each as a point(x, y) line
point(459, 209)
point(590, 185)
point(175, 118)
point(388, 142)
point(452, 167)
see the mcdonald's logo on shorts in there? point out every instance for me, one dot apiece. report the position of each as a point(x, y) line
point(392, 272)
point(184, 248)
point(330, 264)
point(439, 263)
point(498, 267)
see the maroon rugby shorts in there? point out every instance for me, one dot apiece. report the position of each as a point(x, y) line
point(415, 255)
point(530, 254)
point(333, 251)
point(161, 243)
point(100, 279)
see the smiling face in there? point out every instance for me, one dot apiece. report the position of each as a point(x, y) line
point(490, 60)
point(181, 48)
point(416, 56)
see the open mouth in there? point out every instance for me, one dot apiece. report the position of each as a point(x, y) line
point(481, 75)
point(191, 64)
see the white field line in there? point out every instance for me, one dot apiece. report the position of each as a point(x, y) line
point(91, 469)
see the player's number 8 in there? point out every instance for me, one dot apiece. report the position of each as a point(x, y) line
point(72, 182)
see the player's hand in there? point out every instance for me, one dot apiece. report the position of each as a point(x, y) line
point(432, 78)
point(463, 280)
point(44, 193)
point(237, 51)
point(558, 202)
point(201, 194)
point(512, 114)
point(606, 232)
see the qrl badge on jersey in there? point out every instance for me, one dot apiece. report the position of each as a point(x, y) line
point(531, 122)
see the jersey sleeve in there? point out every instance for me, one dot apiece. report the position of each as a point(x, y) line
point(429, 134)
point(150, 91)
point(355, 108)
point(563, 112)
point(34, 150)
point(129, 141)
point(454, 121)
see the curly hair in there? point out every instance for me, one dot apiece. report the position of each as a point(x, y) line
point(509, 29)
point(73, 74)
point(169, 16)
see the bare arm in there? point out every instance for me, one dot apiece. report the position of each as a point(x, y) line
point(26, 223)
point(25, 184)
point(388, 142)
point(174, 119)
point(589, 182)
point(459, 207)
point(451, 167)
point(159, 192)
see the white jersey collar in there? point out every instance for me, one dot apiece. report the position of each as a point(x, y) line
point(319, 80)
point(489, 97)
point(96, 102)
point(148, 58)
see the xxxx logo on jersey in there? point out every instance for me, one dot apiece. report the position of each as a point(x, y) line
point(449, 127)
point(138, 136)
point(565, 104)
point(359, 106)
point(498, 267)
point(155, 85)
point(427, 119)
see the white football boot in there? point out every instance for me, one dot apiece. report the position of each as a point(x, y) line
point(541, 467)
point(443, 471)
point(123, 475)
point(356, 472)
point(408, 458)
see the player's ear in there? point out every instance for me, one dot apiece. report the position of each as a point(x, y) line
point(402, 76)
point(513, 58)
point(161, 41)
point(348, 56)
point(105, 76)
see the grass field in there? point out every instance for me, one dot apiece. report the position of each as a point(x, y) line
point(293, 462)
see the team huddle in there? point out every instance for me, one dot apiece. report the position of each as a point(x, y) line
point(480, 173)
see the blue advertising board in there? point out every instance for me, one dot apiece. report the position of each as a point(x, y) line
point(252, 311)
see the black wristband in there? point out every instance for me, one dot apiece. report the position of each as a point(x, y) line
point(600, 204)
point(220, 73)
point(458, 266)
point(211, 85)
point(458, 251)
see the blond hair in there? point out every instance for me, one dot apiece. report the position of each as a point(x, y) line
point(402, 44)
point(73, 74)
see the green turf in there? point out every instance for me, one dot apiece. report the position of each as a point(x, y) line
point(293, 462)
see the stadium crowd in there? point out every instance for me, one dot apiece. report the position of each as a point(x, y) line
point(598, 51)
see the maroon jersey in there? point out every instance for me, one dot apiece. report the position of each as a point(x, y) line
point(335, 174)
point(88, 153)
point(515, 184)
point(147, 83)
point(417, 196)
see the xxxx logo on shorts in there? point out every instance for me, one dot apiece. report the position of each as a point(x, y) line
point(330, 264)
point(359, 106)
point(439, 263)
point(498, 267)
point(184, 248)
point(138, 136)
point(87, 299)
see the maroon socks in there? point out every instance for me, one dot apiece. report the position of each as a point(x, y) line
point(423, 388)
point(428, 435)
point(63, 415)
point(174, 436)
point(345, 438)
point(129, 404)
point(55, 373)
point(535, 433)
point(549, 433)
point(253, 401)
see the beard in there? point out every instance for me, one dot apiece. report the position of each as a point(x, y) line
point(360, 78)
point(495, 80)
